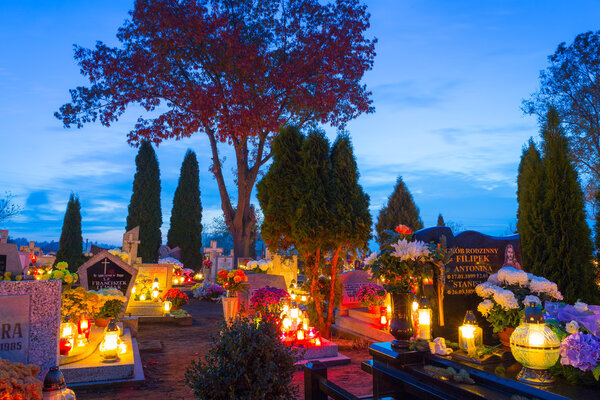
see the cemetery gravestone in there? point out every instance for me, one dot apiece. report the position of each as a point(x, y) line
point(131, 240)
point(288, 267)
point(213, 252)
point(258, 281)
point(351, 282)
point(29, 322)
point(163, 272)
point(10, 261)
point(105, 270)
point(477, 256)
point(224, 262)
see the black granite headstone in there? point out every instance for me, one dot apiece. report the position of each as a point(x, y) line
point(477, 256)
point(107, 274)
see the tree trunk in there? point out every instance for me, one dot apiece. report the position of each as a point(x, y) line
point(314, 289)
point(334, 268)
point(238, 220)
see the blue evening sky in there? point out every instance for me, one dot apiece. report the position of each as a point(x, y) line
point(447, 84)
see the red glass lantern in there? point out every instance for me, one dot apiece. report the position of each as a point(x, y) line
point(65, 346)
point(318, 342)
point(300, 334)
point(383, 319)
point(83, 327)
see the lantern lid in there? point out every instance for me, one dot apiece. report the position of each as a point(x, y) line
point(424, 302)
point(534, 315)
point(54, 380)
point(112, 326)
point(470, 318)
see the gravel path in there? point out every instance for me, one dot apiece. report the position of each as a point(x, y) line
point(164, 370)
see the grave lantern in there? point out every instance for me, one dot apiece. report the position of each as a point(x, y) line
point(536, 347)
point(67, 336)
point(109, 348)
point(318, 342)
point(469, 334)
point(303, 298)
point(300, 335)
point(55, 387)
point(424, 318)
point(133, 290)
point(286, 323)
point(155, 284)
point(167, 307)
point(155, 294)
point(293, 296)
point(383, 320)
point(83, 327)
point(143, 297)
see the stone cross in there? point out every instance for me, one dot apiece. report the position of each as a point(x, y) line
point(213, 252)
point(31, 249)
point(3, 236)
point(131, 240)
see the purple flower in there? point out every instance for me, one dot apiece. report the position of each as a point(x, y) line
point(580, 351)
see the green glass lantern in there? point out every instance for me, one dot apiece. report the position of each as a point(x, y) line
point(536, 347)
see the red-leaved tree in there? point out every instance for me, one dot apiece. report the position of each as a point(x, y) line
point(237, 70)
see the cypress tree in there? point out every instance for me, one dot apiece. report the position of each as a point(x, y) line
point(71, 241)
point(400, 209)
point(440, 221)
point(568, 242)
point(186, 215)
point(278, 192)
point(531, 211)
point(144, 207)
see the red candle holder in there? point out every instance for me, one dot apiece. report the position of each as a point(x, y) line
point(65, 346)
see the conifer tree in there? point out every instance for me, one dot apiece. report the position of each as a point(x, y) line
point(144, 207)
point(71, 241)
point(531, 211)
point(440, 221)
point(400, 209)
point(279, 191)
point(186, 214)
point(568, 242)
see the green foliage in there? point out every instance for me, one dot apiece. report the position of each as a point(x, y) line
point(110, 309)
point(186, 214)
point(440, 221)
point(400, 209)
point(70, 247)
point(323, 287)
point(247, 360)
point(575, 375)
point(280, 189)
point(144, 207)
point(500, 318)
point(567, 235)
point(530, 214)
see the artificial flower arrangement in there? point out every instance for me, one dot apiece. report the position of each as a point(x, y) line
point(61, 272)
point(207, 291)
point(232, 281)
point(76, 301)
point(268, 299)
point(19, 382)
point(401, 261)
point(121, 254)
point(578, 328)
point(142, 288)
point(176, 297)
point(371, 295)
point(507, 292)
point(207, 263)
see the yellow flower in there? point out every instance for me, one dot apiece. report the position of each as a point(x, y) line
point(18, 278)
point(62, 265)
point(230, 274)
point(57, 274)
point(46, 277)
point(7, 274)
point(75, 277)
point(68, 278)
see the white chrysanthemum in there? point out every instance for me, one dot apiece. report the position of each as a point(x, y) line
point(572, 327)
point(493, 278)
point(581, 306)
point(406, 250)
point(485, 307)
point(531, 299)
point(513, 276)
point(543, 285)
point(506, 299)
point(486, 289)
point(369, 260)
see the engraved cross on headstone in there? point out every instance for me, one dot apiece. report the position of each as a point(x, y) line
point(105, 263)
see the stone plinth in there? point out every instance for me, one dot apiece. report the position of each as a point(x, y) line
point(327, 349)
point(94, 369)
point(36, 340)
point(145, 308)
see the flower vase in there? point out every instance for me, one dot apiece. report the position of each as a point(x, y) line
point(504, 336)
point(374, 309)
point(400, 325)
point(230, 308)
